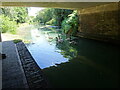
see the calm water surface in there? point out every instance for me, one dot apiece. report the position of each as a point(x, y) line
point(84, 63)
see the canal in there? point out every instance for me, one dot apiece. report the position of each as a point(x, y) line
point(73, 62)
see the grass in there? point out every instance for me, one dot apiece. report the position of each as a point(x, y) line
point(17, 41)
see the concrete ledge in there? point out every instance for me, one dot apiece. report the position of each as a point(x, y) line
point(12, 73)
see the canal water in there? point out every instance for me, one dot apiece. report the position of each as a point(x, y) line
point(76, 62)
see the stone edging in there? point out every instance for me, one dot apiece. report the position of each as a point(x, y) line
point(33, 73)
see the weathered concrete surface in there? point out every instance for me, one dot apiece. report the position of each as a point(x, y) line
point(101, 22)
point(65, 5)
point(12, 72)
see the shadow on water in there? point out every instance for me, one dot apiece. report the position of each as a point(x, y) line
point(75, 62)
point(91, 64)
point(94, 64)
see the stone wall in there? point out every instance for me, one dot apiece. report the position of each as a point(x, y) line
point(100, 22)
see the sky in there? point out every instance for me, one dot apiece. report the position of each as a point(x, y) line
point(33, 10)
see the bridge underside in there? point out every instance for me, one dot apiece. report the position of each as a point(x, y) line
point(66, 5)
point(100, 20)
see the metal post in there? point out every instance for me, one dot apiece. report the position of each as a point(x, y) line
point(0, 37)
point(0, 54)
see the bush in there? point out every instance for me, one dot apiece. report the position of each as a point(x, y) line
point(51, 22)
point(65, 26)
point(6, 25)
point(71, 23)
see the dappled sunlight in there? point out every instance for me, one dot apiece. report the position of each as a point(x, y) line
point(22, 31)
point(8, 37)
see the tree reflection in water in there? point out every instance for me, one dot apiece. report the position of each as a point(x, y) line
point(67, 50)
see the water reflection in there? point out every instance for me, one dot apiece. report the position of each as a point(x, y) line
point(74, 62)
point(67, 50)
point(43, 48)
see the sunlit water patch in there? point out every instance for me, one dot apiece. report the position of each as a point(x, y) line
point(44, 51)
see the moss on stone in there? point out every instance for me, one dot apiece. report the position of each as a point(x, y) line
point(17, 40)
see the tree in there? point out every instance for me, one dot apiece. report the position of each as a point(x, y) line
point(10, 16)
point(52, 16)
point(17, 14)
point(6, 25)
point(20, 14)
point(60, 15)
point(70, 24)
point(44, 16)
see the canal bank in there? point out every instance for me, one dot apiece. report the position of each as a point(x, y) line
point(19, 69)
